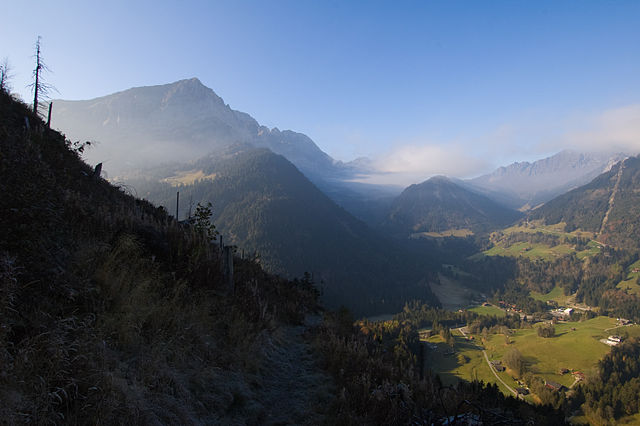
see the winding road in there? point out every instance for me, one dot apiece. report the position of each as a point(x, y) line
point(486, 357)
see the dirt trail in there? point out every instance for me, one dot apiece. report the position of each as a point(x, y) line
point(612, 198)
point(294, 390)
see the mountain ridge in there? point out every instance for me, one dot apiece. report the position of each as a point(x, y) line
point(440, 205)
point(179, 121)
point(524, 185)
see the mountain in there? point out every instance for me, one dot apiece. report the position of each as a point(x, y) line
point(181, 121)
point(526, 185)
point(262, 203)
point(607, 206)
point(438, 205)
point(111, 310)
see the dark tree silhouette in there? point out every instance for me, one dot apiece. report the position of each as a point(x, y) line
point(5, 75)
point(39, 86)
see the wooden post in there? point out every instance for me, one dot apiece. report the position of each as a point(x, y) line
point(49, 115)
point(227, 267)
point(177, 205)
point(421, 361)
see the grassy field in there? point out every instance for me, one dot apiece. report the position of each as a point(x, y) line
point(488, 310)
point(556, 229)
point(188, 177)
point(538, 250)
point(576, 346)
point(593, 248)
point(556, 294)
point(452, 368)
point(631, 283)
point(532, 251)
point(578, 349)
point(452, 294)
point(461, 233)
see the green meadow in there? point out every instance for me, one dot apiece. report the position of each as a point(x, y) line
point(576, 346)
point(488, 310)
point(539, 250)
point(555, 294)
point(630, 285)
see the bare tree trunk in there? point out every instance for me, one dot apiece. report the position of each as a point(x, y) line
point(49, 115)
point(37, 75)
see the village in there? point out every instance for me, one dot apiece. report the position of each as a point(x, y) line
point(556, 363)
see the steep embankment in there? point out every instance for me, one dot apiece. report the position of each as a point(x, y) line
point(111, 311)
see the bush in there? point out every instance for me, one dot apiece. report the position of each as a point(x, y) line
point(546, 331)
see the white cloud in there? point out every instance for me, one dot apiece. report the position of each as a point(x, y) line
point(612, 130)
point(415, 163)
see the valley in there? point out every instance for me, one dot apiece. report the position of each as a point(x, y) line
point(320, 213)
point(522, 300)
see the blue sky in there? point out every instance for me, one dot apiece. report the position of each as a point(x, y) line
point(422, 87)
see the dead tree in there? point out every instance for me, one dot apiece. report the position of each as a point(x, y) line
point(5, 75)
point(39, 86)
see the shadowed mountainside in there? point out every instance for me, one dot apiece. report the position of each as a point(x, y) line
point(263, 204)
point(110, 310)
point(439, 205)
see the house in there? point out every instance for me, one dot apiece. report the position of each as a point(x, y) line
point(579, 375)
point(613, 340)
point(522, 391)
point(554, 386)
point(498, 365)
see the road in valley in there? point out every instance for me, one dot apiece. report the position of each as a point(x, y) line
point(486, 357)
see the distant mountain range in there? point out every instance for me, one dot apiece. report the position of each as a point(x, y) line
point(439, 205)
point(185, 120)
point(526, 185)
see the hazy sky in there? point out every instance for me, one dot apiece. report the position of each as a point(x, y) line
point(422, 87)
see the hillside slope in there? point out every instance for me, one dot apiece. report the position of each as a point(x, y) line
point(263, 204)
point(112, 312)
point(606, 206)
point(439, 205)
